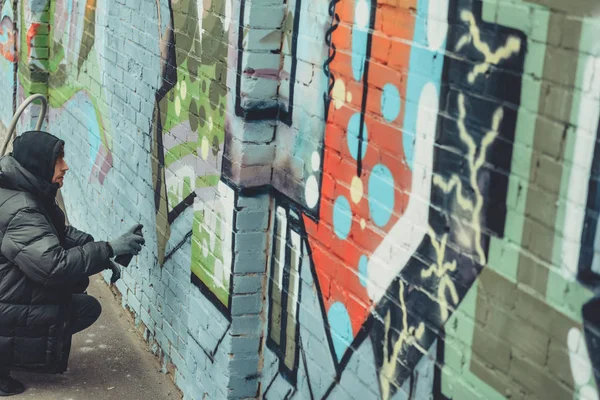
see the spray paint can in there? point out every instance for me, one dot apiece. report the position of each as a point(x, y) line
point(125, 259)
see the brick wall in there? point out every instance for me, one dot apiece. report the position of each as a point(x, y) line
point(8, 59)
point(343, 199)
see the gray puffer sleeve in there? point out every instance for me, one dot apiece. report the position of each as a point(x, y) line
point(30, 242)
point(74, 237)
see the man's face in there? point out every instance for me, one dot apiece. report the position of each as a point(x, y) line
point(60, 169)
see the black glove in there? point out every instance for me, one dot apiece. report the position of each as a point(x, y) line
point(128, 243)
point(116, 272)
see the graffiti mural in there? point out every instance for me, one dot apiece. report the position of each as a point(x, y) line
point(455, 247)
point(376, 218)
point(188, 127)
point(360, 199)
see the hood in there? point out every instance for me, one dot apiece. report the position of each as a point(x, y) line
point(14, 176)
point(37, 152)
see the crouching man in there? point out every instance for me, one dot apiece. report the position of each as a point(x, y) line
point(44, 264)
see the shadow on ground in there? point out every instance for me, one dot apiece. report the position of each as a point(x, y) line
point(108, 361)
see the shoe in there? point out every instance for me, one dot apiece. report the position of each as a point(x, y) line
point(9, 386)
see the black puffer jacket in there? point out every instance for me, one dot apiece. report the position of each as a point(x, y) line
point(40, 261)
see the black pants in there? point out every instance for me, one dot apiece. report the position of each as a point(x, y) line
point(85, 309)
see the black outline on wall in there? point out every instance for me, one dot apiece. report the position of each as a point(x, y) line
point(169, 80)
point(365, 92)
point(296, 225)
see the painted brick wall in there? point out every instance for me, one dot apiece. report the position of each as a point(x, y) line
point(8, 59)
point(341, 199)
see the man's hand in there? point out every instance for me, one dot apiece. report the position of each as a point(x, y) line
point(129, 243)
point(116, 272)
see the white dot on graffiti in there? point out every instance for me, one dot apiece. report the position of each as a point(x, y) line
point(183, 90)
point(338, 93)
point(574, 339)
point(588, 393)
point(204, 148)
point(362, 14)
point(437, 25)
point(580, 368)
point(363, 223)
point(177, 106)
point(210, 123)
point(311, 191)
point(349, 97)
point(315, 161)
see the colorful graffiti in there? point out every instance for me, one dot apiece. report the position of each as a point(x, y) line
point(423, 175)
point(188, 127)
point(375, 218)
point(9, 51)
point(413, 190)
point(8, 44)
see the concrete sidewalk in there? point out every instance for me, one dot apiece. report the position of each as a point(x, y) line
point(108, 361)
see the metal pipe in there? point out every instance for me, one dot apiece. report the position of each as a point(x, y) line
point(22, 107)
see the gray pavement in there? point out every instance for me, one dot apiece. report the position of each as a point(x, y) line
point(108, 361)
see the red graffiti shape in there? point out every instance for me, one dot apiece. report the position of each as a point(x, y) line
point(7, 46)
point(33, 30)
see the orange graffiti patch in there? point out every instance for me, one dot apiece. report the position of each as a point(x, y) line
point(366, 180)
point(31, 33)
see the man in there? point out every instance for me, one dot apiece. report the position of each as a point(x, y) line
point(44, 265)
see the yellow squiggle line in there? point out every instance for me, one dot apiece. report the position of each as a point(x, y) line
point(446, 283)
point(447, 187)
point(475, 164)
point(475, 160)
point(440, 268)
point(407, 335)
point(512, 46)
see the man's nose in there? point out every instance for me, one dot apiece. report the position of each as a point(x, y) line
point(66, 167)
